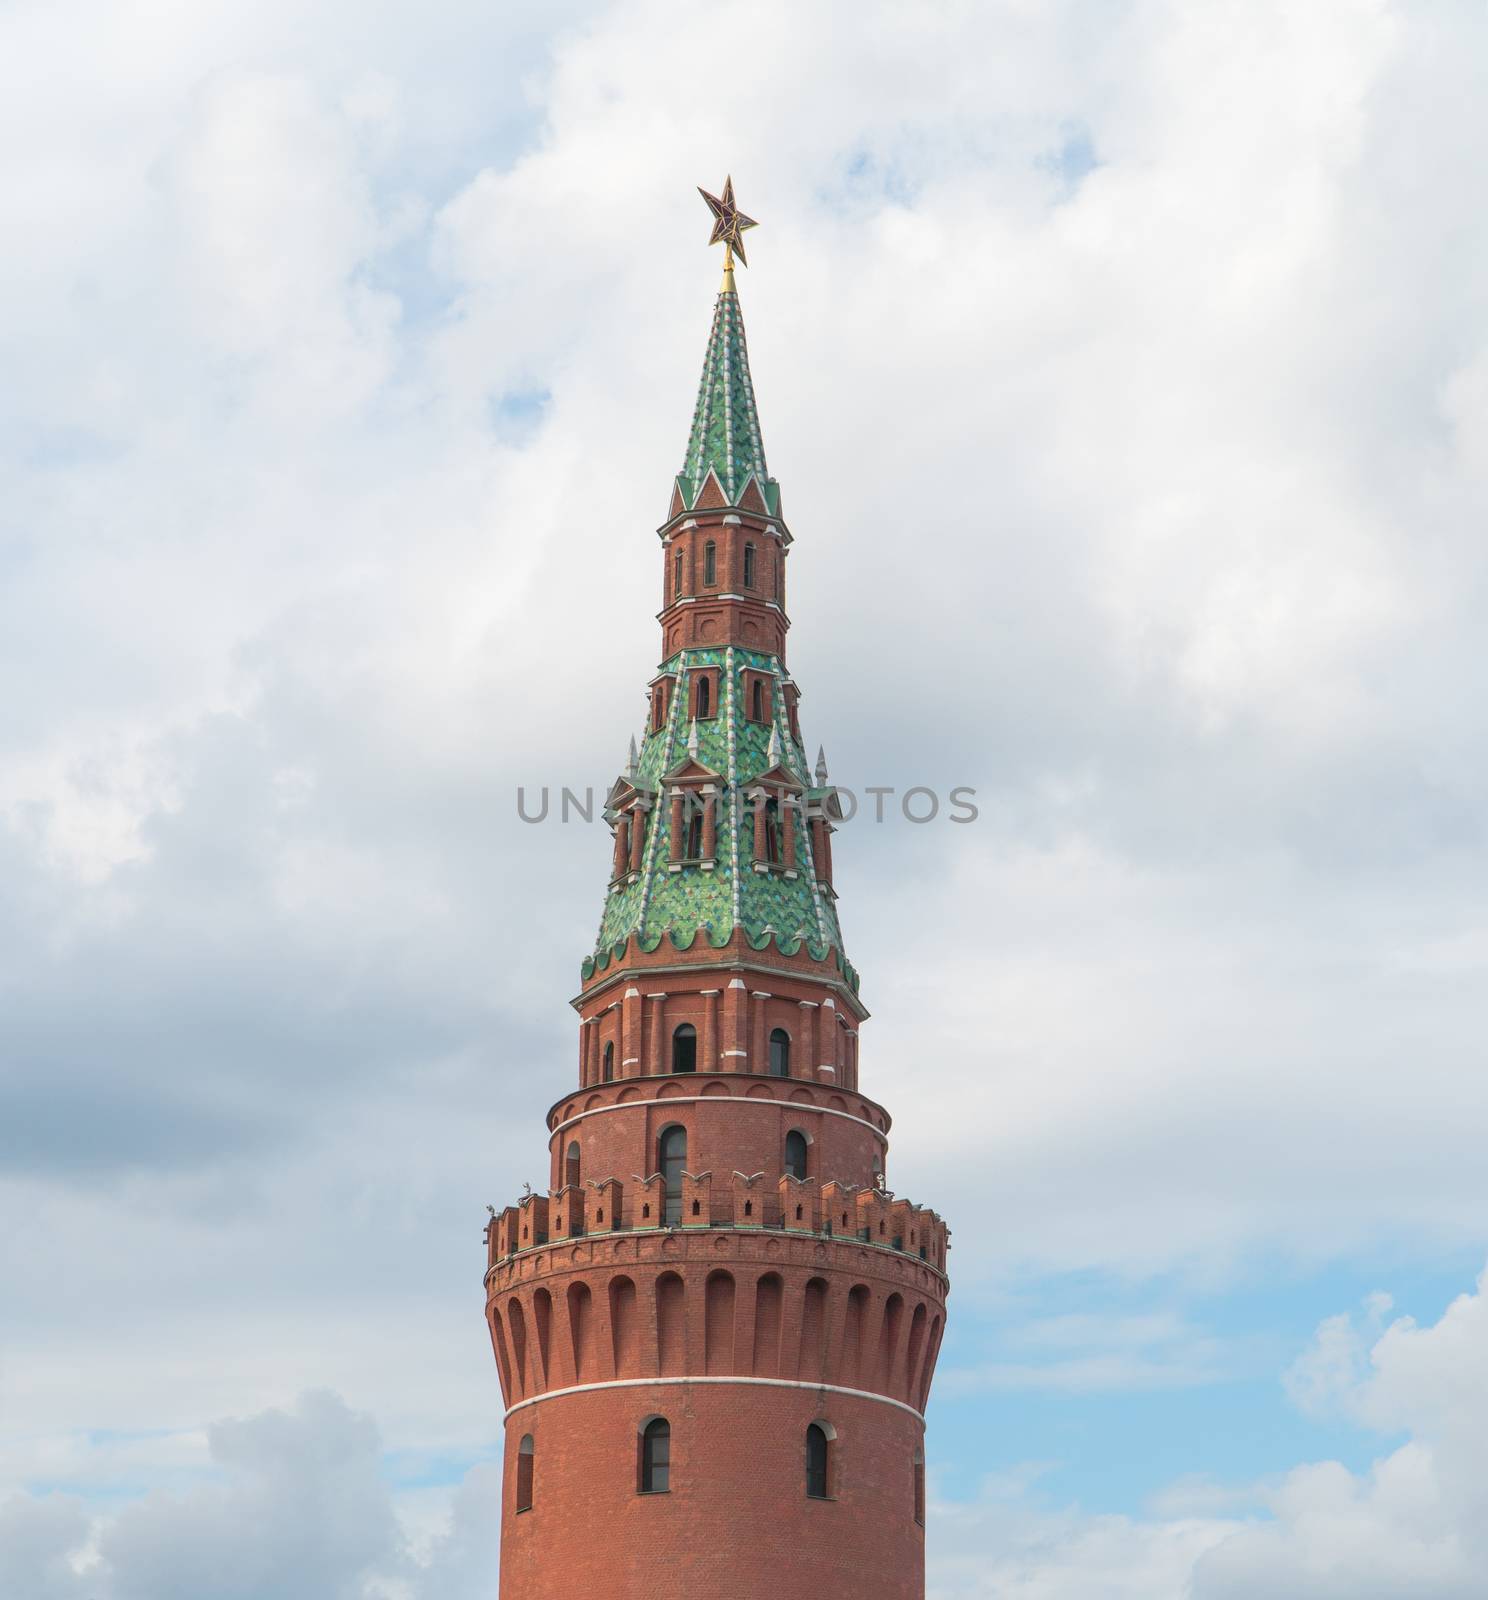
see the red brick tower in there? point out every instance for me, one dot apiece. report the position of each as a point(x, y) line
point(716, 1331)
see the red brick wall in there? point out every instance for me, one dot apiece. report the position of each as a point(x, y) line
point(736, 1523)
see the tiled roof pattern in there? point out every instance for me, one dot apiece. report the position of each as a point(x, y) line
point(725, 436)
point(732, 895)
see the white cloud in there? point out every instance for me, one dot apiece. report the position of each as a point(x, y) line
point(297, 1509)
point(349, 356)
point(299, 1506)
point(1414, 1524)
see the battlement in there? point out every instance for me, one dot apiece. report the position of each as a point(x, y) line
point(705, 1200)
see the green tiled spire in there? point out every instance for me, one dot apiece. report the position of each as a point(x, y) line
point(725, 432)
point(789, 905)
point(787, 902)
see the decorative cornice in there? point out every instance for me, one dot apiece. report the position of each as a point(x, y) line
point(836, 984)
point(747, 1101)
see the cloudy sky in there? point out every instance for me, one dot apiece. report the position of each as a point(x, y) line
point(1125, 368)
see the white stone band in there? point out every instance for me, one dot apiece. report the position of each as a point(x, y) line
point(759, 1383)
point(719, 1099)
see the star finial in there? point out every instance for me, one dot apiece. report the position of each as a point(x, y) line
point(728, 224)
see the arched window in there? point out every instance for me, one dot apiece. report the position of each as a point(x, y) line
point(571, 1164)
point(772, 832)
point(795, 1153)
point(524, 1473)
point(818, 1461)
point(684, 1048)
point(656, 1457)
point(919, 1487)
point(677, 573)
point(705, 696)
point(609, 1063)
point(779, 1053)
point(671, 1159)
point(748, 566)
point(695, 834)
point(710, 562)
point(757, 702)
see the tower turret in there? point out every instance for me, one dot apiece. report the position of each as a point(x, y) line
point(716, 1331)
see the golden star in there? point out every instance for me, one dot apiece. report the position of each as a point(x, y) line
point(728, 222)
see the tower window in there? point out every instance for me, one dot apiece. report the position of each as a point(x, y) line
point(525, 1458)
point(757, 701)
point(671, 1159)
point(779, 1053)
point(748, 566)
point(677, 573)
point(705, 696)
point(684, 1048)
point(710, 563)
point(795, 1153)
point(571, 1165)
point(779, 566)
point(772, 832)
point(609, 1063)
point(695, 834)
point(656, 1457)
point(919, 1487)
point(818, 1461)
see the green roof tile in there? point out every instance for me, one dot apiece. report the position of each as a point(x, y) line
point(725, 423)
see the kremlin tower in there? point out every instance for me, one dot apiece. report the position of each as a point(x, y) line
point(716, 1329)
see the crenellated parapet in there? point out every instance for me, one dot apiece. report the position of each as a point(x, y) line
point(742, 1201)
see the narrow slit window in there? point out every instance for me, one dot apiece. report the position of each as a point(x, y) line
point(705, 696)
point(710, 563)
point(779, 1053)
point(818, 1461)
point(748, 566)
point(772, 832)
point(656, 1457)
point(525, 1459)
point(684, 1048)
point(609, 1063)
point(671, 1152)
point(571, 1164)
point(757, 701)
point(677, 573)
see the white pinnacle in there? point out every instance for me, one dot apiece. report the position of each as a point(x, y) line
point(821, 766)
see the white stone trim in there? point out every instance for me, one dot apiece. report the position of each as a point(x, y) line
point(759, 1383)
point(717, 1099)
